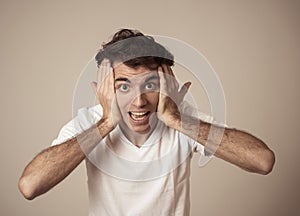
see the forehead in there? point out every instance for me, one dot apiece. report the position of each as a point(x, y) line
point(123, 71)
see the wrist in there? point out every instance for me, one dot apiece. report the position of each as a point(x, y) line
point(105, 126)
point(172, 120)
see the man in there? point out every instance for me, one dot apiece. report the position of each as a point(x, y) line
point(138, 144)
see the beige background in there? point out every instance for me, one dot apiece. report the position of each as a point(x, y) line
point(252, 45)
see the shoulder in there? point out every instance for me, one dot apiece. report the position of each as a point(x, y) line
point(85, 118)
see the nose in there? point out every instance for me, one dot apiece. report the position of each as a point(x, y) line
point(140, 100)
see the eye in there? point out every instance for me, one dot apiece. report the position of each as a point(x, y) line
point(150, 86)
point(123, 88)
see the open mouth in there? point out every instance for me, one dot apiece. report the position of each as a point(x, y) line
point(139, 116)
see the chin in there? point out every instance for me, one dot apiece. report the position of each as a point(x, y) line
point(141, 129)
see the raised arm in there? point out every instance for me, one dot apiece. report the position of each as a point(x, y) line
point(235, 146)
point(52, 165)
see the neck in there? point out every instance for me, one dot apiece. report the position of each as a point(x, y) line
point(137, 138)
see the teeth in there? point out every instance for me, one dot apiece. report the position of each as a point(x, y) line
point(138, 113)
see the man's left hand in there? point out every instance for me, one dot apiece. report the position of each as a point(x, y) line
point(170, 96)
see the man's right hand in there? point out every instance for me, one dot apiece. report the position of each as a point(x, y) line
point(105, 93)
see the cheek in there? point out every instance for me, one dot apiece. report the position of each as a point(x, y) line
point(154, 98)
point(120, 100)
point(123, 100)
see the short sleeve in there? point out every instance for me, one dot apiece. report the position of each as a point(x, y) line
point(86, 117)
point(189, 110)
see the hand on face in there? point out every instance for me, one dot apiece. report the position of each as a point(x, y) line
point(170, 96)
point(105, 92)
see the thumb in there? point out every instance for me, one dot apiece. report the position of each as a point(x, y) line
point(94, 86)
point(184, 89)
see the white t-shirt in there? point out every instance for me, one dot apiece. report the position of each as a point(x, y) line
point(126, 180)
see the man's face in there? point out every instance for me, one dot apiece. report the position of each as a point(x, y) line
point(137, 93)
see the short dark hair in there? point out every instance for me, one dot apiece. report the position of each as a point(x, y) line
point(134, 49)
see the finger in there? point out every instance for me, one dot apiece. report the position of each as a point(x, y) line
point(94, 87)
point(105, 86)
point(172, 81)
point(171, 77)
point(167, 69)
point(108, 88)
point(162, 80)
point(111, 79)
point(184, 89)
point(187, 85)
point(102, 72)
point(108, 72)
point(161, 74)
point(166, 74)
point(105, 69)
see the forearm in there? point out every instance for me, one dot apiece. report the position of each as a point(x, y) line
point(52, 165)
point(235, 146)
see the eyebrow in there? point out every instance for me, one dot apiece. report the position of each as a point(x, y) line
point(123, 79)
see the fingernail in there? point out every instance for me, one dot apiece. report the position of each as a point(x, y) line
point(188, 84)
